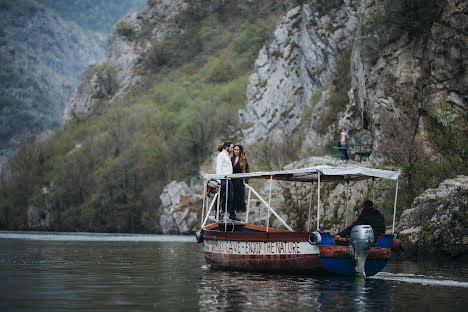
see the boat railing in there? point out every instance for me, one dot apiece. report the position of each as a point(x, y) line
point(209, 206)
point(311, 175)
point(209, 210)
point(251, 189)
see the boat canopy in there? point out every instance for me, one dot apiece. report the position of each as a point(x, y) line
point(327, 174)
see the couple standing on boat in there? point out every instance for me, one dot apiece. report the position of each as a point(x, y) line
point(225, 164)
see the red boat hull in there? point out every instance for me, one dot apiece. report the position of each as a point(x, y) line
point(283, 251)
point(278, 250)
point(279, 263)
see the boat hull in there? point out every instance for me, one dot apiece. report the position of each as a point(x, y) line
point(250, 249)
point(266, 255)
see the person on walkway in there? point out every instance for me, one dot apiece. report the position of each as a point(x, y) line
point(240, 164)
point(224, 167)
point(370, 216)
point(343, 140)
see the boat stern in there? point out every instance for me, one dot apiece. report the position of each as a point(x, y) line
point(339, 258)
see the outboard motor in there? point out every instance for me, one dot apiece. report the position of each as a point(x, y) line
point(362, 238)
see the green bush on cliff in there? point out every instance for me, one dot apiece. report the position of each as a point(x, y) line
point(251, 40)
point(124, 29)
point(222, 69)
point(105, 79)
point(175, 51)
point(398, 17)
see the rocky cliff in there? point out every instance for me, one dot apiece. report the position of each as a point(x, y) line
point(398, 73)
point(41, 56)
point(437, 221)
point(393, 73)
point(300, 61)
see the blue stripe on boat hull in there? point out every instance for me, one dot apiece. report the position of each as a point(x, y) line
point(346, 266)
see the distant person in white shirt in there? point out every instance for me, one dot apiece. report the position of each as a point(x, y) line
point(343, 140)
point(224, 167)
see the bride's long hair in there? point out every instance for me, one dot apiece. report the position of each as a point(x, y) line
point(243, 162)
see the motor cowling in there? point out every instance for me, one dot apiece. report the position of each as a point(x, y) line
point(361, 240)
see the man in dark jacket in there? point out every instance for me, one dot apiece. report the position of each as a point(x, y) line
point(369, 216)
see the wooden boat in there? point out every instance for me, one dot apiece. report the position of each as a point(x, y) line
point(238, 245)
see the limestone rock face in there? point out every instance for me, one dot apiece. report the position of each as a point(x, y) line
point(120, 58)
point(298, 62)
point(39, 218)
point(437, 221)
point(394, 76)
point(180, 209)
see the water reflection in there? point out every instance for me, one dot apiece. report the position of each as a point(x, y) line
point(241, 291)
point(98, 276)
point(354, 294)
point(40, 275)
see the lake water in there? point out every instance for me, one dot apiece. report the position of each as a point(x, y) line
point(104, 272)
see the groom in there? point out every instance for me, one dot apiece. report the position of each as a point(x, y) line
point(224, 167)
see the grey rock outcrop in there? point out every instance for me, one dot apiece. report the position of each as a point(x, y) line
point(297, 63)
point(180, 209)
point(125, 54)
point(39, 219)
point(41, 56)
point(118, 64)
point(437, 222)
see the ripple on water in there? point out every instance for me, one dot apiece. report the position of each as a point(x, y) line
point(418, 279)
point(111, 237)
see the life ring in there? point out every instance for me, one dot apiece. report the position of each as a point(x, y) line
point(315, 238)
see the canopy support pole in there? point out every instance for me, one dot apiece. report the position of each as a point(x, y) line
point(346, 210)
point(373, 190)
point(310, 208)
point(218, 202)
point(269, 208)
point(204, 196)
point(394, 207)
point(269, 203)
point(318, 200)
point(226, 206)
point(248, 208)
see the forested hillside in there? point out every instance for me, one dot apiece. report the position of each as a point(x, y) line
point(105, 172)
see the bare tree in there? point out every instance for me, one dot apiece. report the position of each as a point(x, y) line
point(275, 155)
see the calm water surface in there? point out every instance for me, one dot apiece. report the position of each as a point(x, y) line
point(76, 272)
